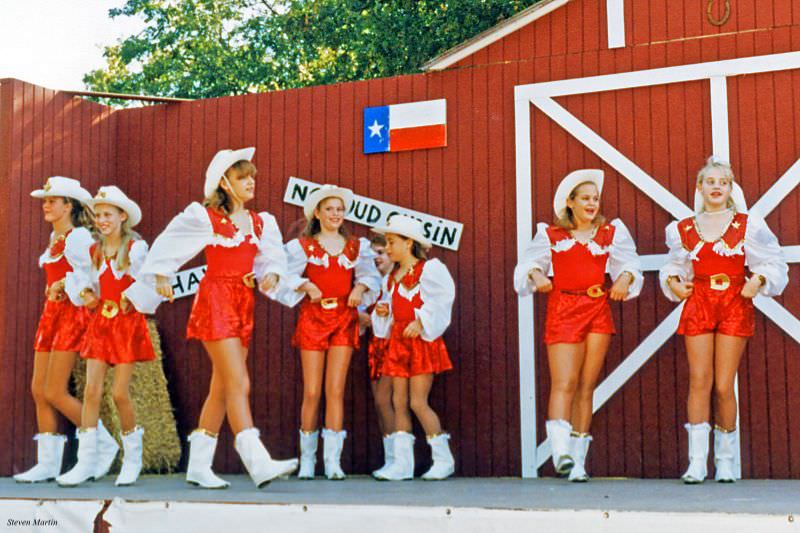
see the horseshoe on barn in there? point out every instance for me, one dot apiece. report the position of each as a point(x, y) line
point(725, 17)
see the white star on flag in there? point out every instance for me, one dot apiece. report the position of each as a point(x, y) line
point(375, 129)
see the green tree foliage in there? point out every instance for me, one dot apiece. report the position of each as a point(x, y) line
point(208, 48)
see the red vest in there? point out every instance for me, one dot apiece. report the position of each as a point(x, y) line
point(402, 308)
point(709, 262)
point(235, 261)
point(577, 269)
point(335, 281)
point(57, 270)
point(112, 288)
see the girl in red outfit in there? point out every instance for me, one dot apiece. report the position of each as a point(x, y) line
point(580, 247)
point(706, 269)
point(244, 250)
point(117, 336)
point(330, 272)
point(63, 321)
point(413, 313)
point(381, 385)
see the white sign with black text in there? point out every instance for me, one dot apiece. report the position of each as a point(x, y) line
point(442, 232)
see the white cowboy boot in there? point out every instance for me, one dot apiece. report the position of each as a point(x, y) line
point(202, 445)
point(402, 466)
point(86, 466)
point(333, 442)
point(443, 462)
point(49, 453)
point(388, 455)
point(698, 453)
point(724, 456)
point(308, 453)
point(580, 447)
point(107, 449)
point(256, 459)
point(132, 458)
point(558, 432)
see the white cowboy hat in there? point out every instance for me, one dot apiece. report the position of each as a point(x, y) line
point(61, 186)
point(572, 180)
point(407, 227)
point(112, 195)
point(737, 195)
point(222, 161)
point(326, 191)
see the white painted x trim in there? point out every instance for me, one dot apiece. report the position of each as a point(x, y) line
point(541, 95)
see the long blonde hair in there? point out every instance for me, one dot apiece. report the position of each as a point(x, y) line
point(122, 259)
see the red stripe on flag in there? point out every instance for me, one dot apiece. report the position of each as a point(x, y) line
point(417, 138)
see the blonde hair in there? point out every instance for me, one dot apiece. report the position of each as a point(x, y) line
point(714, 163)
point(221, 200)
point(126, 236)
point(568, 220)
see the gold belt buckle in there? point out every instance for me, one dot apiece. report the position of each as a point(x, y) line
point(249, 280)
point(719, 282)
point(110, 309)
point(595, 291)
point(329, 303)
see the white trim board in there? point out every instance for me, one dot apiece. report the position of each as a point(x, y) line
point(541, 95)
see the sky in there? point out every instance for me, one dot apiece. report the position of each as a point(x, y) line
point(53, 43)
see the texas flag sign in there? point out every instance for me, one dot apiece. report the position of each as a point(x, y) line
point(413, 126)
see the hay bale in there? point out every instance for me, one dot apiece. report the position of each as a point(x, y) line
point(150, 397)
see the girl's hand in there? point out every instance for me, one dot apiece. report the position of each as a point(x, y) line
point(540, 281)
point(619, 290)
point(382, 309)
point(364, 320)
point(354, 300)
point(164, 287)
point(90, 299)
point(125, 305)
point(413, 330)
point(268, 283)
point(751, 288)
point(681, 289)
point(55, 292)
point(313, 292)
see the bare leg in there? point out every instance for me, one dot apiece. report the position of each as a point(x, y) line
point(313, 363)
point(120, 392)
point(400, 402)
point(596, 348)
point(382, 394)
point(700, 352)
point(565, 361)
point(46, 419)
point(59, 370)
point(93, 392)
point(338, 362)
point(212, 415)
point(229, 359)
point(728, 352)
point(420, 390)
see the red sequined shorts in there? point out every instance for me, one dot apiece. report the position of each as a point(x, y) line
point(61, 327)
point(571, 317)
point(708, 310)
point(118, 340)
point(406, 358)
point(376, 352)
point(222, 309)
point(318, 329)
